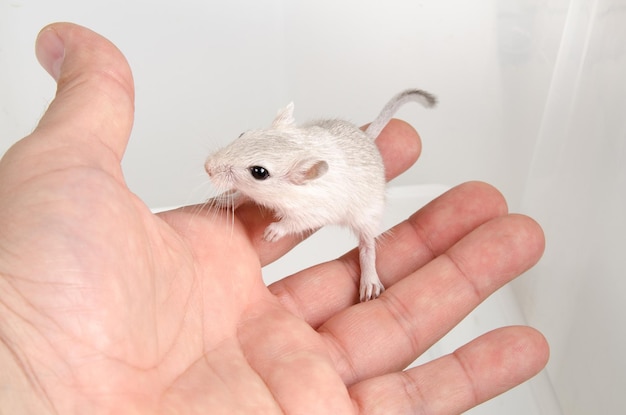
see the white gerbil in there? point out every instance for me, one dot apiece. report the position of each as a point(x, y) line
point(319, 173)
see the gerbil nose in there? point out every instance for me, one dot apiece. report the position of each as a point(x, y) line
point(209, 169)
point(218, 170)
point(212, 169)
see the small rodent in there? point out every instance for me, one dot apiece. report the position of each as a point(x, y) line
point(315, 174)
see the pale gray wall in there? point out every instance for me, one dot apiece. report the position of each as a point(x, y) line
point(533, 98)
point(206, 70)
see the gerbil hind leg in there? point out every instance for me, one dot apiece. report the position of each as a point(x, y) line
point(370, 286)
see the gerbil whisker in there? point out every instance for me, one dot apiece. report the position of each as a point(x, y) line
point(212, 210)
point(196, 206)
point(220, 207)
point(231, 209)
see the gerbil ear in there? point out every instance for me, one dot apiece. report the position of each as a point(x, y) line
point(284, 118)
point(308, 170)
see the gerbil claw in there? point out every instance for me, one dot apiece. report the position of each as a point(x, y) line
point(370, 291)
point(273, 232)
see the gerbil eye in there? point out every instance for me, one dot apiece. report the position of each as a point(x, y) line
point(259, 172)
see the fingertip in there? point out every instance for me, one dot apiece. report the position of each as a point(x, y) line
point(536, 232)
point(50, 50)
point(528, 237)
point(538, 344)
point(491, 198)
point(400, 145)
point(503, 358)
point(525, 352)
point(487, 196)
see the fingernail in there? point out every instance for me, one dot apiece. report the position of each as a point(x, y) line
point(50, 51)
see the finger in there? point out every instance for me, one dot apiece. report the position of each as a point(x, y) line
point(318, 293)
point(400, 146)
point(475, 373)
point(90, 118)
point(373, 338)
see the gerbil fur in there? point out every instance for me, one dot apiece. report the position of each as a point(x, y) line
point(318, 173)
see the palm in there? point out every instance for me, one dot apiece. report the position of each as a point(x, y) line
point(150, 306)
point(110, 307)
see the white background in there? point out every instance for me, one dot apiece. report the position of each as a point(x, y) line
point(532, 99)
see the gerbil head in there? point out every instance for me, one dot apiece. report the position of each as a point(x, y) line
point(264, 164)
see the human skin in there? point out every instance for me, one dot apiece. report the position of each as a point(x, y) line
point(108, 308)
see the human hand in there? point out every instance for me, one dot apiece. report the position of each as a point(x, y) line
point(107, 308)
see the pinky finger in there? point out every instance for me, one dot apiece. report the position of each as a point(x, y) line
point(475, 373)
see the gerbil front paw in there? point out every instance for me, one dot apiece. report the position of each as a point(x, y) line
point(274, 232)
point(370, 290)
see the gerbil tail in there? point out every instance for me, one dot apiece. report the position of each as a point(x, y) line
point(417, 95)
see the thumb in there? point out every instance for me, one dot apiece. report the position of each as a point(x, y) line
point(94, 103)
